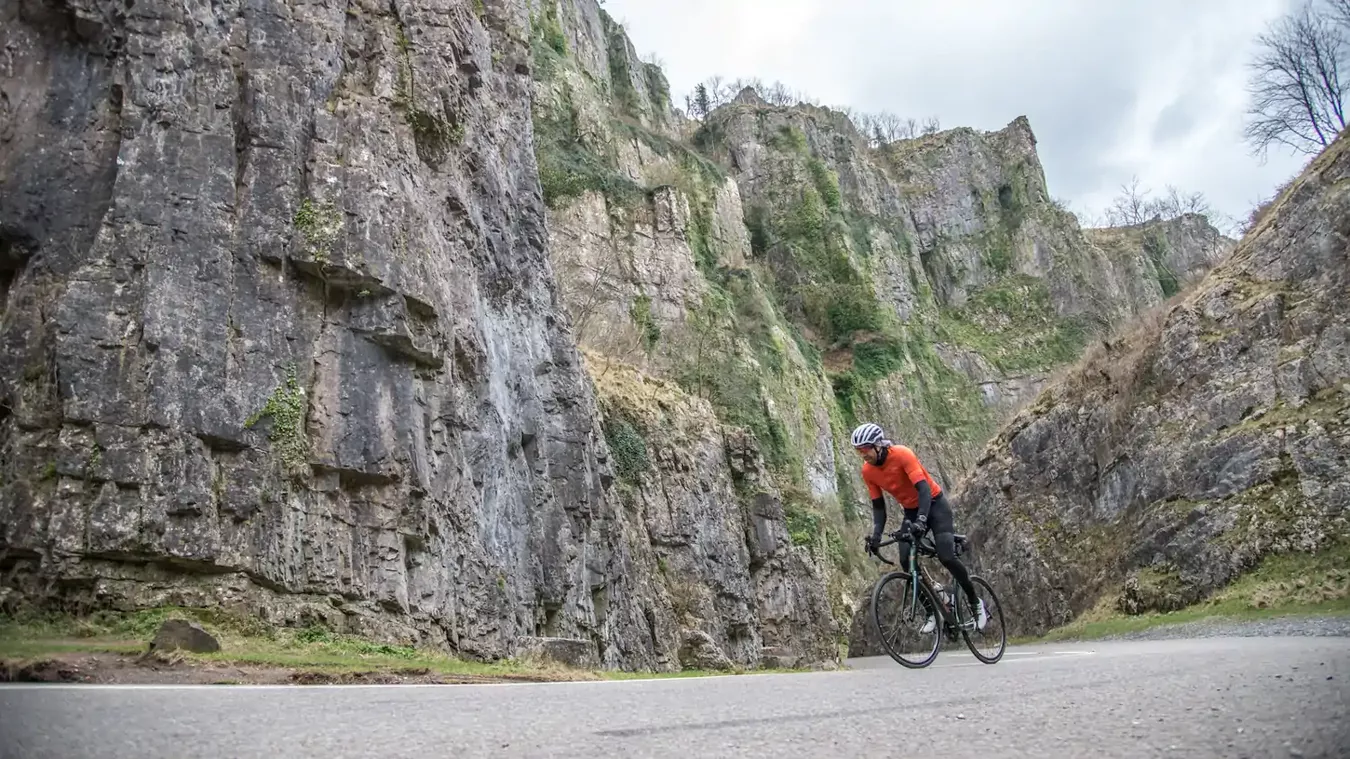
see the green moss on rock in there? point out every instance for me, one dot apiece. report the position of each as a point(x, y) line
point(1012, 323)
point(627, 446)
point(319, 224)
point(286, 408)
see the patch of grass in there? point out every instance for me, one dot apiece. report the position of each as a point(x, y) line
point(1156, 248)
point(548, 29)
point(827, 184)
point(1291, 584)
point(1108, 626)
point(433, 135)
point(803, 523)
point(790, 139)
point(568, 168)
point(1012, 323)
point(946, 400)
point(729, 352)
point(247, 641)
point(641, 312)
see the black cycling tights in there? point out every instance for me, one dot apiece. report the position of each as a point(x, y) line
point(941, 525)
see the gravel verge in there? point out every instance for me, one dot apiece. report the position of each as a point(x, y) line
point(1255, 628)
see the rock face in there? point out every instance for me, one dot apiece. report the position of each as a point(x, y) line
point(1175, 457)
point(282, 332)
point(985, 285)
point(292, 296)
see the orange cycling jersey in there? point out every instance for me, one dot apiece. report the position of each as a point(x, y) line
point(897, 475)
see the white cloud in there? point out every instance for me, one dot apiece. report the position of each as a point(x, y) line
point(1154, 88)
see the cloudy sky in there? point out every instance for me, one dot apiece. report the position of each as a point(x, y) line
point(1113, 88)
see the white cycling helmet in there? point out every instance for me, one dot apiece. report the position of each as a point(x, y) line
point(867, 434)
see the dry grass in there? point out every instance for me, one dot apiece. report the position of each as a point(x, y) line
point(1293, 584)
point(645, 397)
point(1115, 369)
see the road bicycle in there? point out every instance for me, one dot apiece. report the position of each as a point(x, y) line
point(927, 599)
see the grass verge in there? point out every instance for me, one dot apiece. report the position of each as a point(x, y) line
point(1094, 627)
point(112, 647)
point(1293, 585)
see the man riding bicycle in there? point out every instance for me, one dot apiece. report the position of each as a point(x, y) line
point(895, 469)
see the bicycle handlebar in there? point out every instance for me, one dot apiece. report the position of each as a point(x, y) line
point(903, 535)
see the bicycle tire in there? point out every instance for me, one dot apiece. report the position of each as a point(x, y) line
point(1002, 631)
point(925, 592)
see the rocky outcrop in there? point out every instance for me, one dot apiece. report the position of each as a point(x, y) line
point(984, 284)
point(1179, 454)
point(297, 351)
point(301, 352)
point(1157, 259)
point(650, 248)
point(713, 534)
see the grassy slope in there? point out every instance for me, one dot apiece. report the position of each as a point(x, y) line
point(1283, 585)
point(250, 643)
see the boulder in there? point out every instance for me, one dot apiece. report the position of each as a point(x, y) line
point(698, 651)
point(570, 652)
point(182, 635)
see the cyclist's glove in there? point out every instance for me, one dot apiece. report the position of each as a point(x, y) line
point(919, 527)
point(871, 541)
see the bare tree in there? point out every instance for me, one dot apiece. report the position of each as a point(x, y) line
point(1136, 206)
point(778, 94)
point(714, 89)
point(1130, 207)
point(1174, 204)
point(883, 128)
point(1298, 97)
point(897, 128)
point(1339, 12)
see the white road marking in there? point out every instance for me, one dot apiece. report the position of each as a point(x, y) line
point(1032, 656)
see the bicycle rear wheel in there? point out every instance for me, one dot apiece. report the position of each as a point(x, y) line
point(899, 621)
point(994, 635)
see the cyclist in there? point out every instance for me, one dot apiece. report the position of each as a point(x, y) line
point(895, 469)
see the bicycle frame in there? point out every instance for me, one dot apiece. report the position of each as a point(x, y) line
point(918, 573)
point(948, 610)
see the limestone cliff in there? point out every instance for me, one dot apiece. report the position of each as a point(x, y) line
point(281, 334)
point(775, 263)
point(1208, 436)
point(649, 246)
point(292, 296)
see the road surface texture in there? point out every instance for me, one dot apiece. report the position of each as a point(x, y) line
point(1212, 697)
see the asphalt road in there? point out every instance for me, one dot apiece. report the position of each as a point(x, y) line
point(1215, 697)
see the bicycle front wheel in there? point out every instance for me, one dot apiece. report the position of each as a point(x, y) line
point(988, 644)
point(907, 625)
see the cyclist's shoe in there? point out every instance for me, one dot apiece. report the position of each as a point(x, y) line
point(981, 616)
point(929, 625)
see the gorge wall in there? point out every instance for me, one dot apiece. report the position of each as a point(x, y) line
point(774, 263)
point(432, 321)
point(1206, 438)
